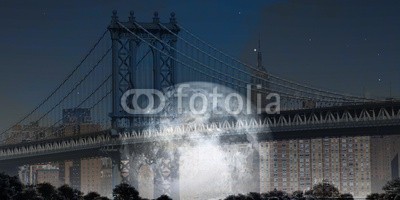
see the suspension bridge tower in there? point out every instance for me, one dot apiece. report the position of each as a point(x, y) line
point(127, 37)
point(131, 161)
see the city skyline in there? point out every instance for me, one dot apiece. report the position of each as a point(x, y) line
point(201, 100)
point(339, 45)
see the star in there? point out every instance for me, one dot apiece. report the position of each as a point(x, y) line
point(309, 39)
point(240, 12)
point(255, 50)
point(379, 79)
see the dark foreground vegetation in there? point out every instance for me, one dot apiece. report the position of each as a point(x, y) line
point(12, 189)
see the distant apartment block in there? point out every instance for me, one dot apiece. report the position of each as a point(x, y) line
point(40, 173)
point(88, 175)
point(291, 165)
point(384, 160)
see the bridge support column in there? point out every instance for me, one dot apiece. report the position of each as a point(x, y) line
point(167, 173)
point(124, 165)
point(120, 165)
point(152, 168)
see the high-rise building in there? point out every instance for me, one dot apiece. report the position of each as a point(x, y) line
point(384, 165)
point(27, 133)
point(291, 165)
point(77, 129)
point(70, 173)
point(77, 121)
point(75, 175)
point(76, 116)
point(96, 175)
point(64, 173)
point(40, 173)
point(106, 177)
point(88, 175)
point(48, 176)
point(259, 90)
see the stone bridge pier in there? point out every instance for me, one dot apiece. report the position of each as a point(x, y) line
point(177, 169)
point(152, 168)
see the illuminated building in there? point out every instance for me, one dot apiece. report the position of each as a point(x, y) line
point(291, 165)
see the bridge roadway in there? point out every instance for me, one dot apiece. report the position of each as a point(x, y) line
point(381, 118)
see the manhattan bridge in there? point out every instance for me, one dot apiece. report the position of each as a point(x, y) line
point(159, 55)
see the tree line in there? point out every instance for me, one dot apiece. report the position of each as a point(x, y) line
point(12, 189)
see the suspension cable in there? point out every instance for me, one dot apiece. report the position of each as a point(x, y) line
point(200, 71)
point(276, 77)
point(72, 90)
point(61, 84)
point(245, 71)
point(211, 69)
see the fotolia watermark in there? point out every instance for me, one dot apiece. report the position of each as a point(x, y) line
point(188, 98)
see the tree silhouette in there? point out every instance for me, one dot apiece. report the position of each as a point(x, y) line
point(164, 197)
point(375, 196)
point(392, 187)
point(298, 195)
point(255, 196)
point(276, 194)
point(389, 196)
point(308, 192)
point(101, 198)
point(47, 191)
point(28, 193)
point(230, 197)
point(346, 196)
point(392, 191)
point(91, 196)
point(125, 191)
point(325, 190)
point(10, 186)
point(238, 197)
point(69, 193)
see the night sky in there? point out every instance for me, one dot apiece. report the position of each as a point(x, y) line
point(338, 45)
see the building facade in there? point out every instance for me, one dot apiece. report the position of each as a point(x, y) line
point(384, 160)
point(291, 165)
point(88, 175)
point(40, 173)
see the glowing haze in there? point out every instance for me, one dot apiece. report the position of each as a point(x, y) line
point(209, 167)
